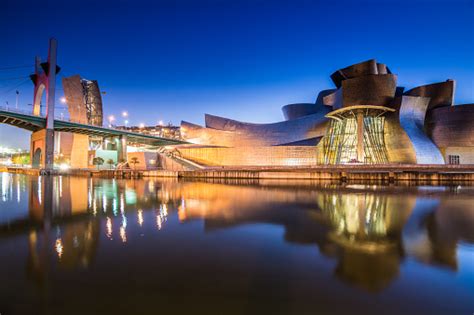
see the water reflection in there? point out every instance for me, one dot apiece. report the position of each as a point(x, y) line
point(367, 231)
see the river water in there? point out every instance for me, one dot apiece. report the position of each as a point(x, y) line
point(153, 246)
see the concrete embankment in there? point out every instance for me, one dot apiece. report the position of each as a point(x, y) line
point(366, 173)
point(388, 173)
point(352, 175)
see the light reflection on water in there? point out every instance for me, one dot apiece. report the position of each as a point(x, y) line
point(233, 247)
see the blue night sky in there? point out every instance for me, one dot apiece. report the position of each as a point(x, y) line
point(176, 60)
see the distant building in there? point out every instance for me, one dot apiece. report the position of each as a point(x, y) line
point(168, 131)
point(367, 118)
point(84, 103)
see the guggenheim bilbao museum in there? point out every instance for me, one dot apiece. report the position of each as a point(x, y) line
point(365, 119)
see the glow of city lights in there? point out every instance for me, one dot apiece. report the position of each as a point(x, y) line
point(59, 247)
point(40, 197)
point(114, 207)
point(104, 203)
point(109, 228)
point(164, 210)
point(64, 167)
point(140, 217)
point(94, 208)
point(159, 221)
point(122, 204)
point(123, 234)
point(63, 100)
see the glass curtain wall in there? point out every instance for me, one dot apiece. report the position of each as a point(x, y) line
point(340, 143)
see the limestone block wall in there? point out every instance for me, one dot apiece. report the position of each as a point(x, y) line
point(146, 160)
point(80, 151)
point(466, 154)
point(253, 156)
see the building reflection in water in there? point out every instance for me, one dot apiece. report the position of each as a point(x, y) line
point(367, 230)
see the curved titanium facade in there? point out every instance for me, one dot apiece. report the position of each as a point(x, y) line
point(372, 121)
point(369, 90)
point(452, 126)
point(412, 118)
point(226, 132)
point(294, 111)
point(440, 94)
point(369, 67)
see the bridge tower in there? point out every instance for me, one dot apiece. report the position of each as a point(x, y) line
point(44, 78)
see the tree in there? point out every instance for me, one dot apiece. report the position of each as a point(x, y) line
point(134, 161)
point(21, 159)
point(98, 161)
point(110, 162)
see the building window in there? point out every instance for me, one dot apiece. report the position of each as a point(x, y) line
point(340, 143)
point(453, 159)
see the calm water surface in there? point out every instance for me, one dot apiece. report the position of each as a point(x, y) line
point(99, 246)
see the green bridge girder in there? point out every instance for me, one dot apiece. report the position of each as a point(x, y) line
point(35, 123)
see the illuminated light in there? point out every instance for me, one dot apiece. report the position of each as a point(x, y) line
point(164, 210)
point(123, 234)
point(182, 214)
point(292, 162)
point(109, 228)
point(94, 208)
point(140, 217)
point(64, 167)
point(89, 198)
point(160, 123)
point(126, 122)
point(111, 118)
point(8, 162)
point(122, 204)
point(159, 221)
point(124, 114)
point(18, 191)
point(124, 221)
point(63, 100)
point(141, 126)
point(114, 207)
point(104, 203)
point(39, 190)
point(59, 247)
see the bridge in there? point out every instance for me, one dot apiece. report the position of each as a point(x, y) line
point(35, 123)
point(86, 119)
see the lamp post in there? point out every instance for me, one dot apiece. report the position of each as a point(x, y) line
point(17, 96)
point(111, 119)
point(125, 117)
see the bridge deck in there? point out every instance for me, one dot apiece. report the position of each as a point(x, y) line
point(35, 123)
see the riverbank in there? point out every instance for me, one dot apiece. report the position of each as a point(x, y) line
point(345, 173)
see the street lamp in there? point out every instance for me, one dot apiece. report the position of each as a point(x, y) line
point(63, 100)
point(111, 119)
point(124, 114)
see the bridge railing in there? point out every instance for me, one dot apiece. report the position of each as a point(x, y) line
point(17, 110)
point(68, 119)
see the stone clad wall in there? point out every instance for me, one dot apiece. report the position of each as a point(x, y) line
point(466, 154)
point(252, 156)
